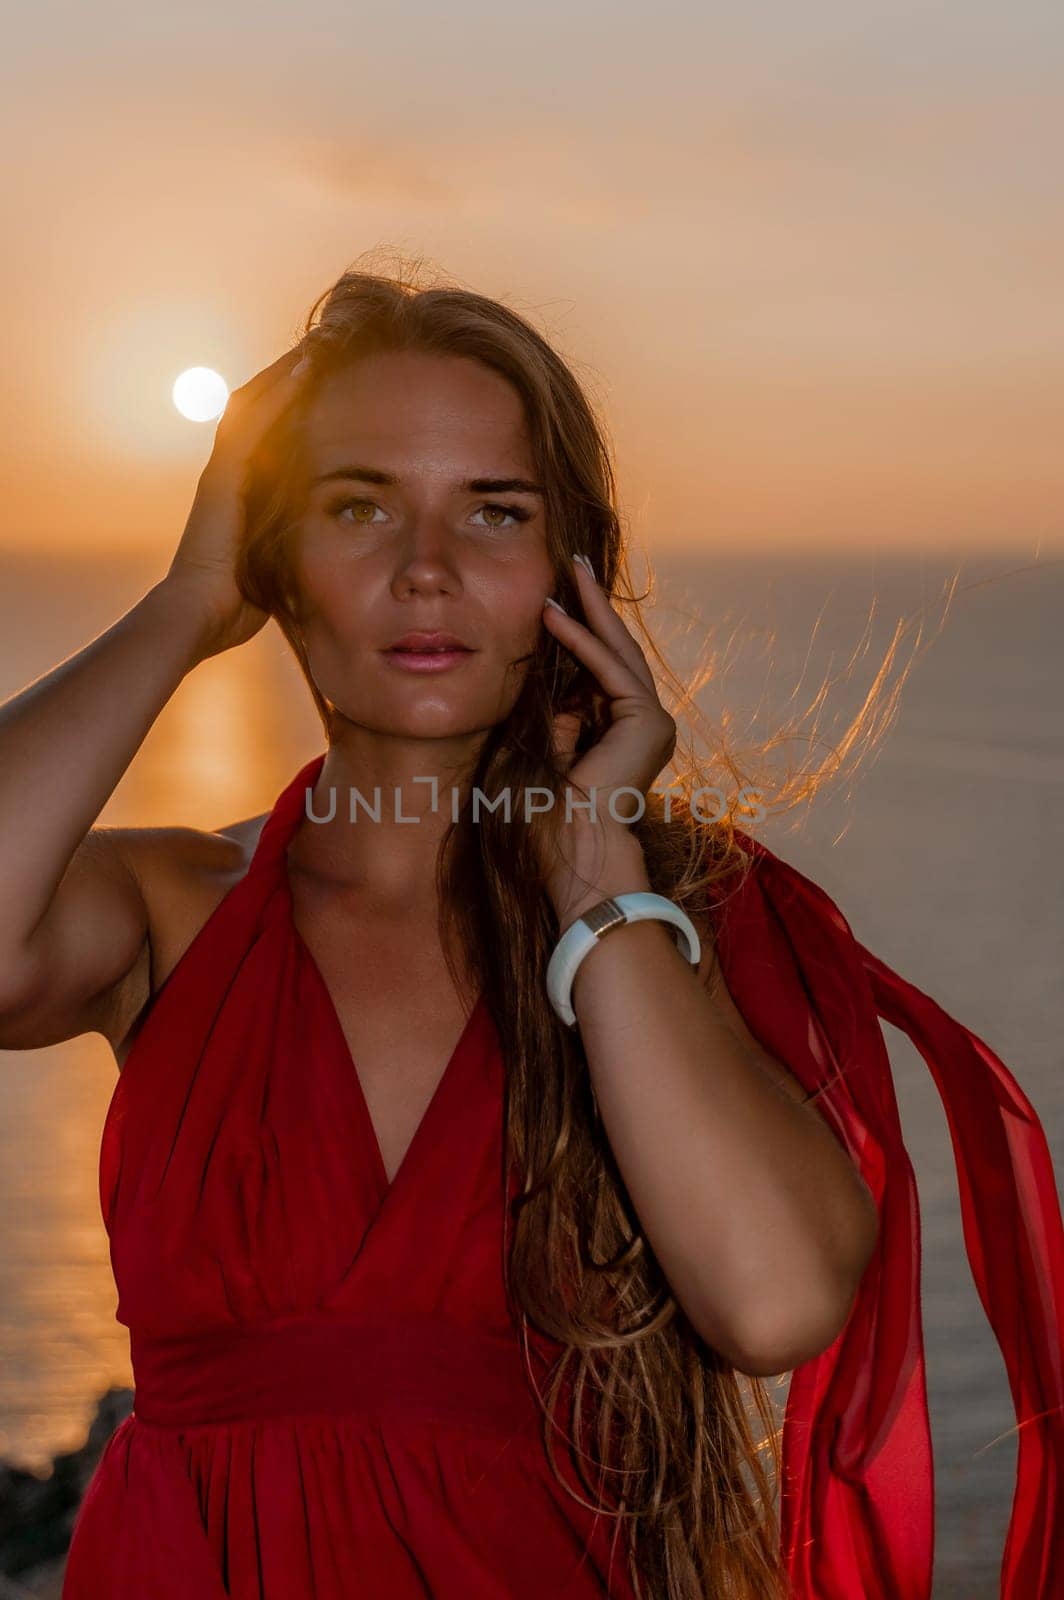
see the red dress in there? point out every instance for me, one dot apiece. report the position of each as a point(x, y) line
point(330, 1395)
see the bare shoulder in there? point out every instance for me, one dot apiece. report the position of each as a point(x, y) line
point(184, 873)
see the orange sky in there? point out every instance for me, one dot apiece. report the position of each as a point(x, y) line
point(810, 263)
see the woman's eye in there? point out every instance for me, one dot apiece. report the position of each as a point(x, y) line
point(346, 505)
point(518, 513)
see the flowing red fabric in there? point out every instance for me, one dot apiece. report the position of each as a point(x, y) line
point(330, 1393)
point(858, 1488)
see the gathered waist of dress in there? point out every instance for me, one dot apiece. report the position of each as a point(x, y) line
point(316, 1364)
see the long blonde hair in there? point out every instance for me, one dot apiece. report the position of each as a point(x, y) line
point(664, 1436)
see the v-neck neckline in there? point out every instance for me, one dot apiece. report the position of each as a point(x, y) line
point(271, 856)
point(439, 1093)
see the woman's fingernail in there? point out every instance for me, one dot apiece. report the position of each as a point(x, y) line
point(586, 564)
point(300, 366)
point(550, 601)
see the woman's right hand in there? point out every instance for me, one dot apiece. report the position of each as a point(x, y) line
point(204, 563)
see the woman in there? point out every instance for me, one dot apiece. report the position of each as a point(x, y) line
point(491, 1328)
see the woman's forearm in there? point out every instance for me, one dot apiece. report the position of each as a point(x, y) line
point(759, 1218)
point(67, 739)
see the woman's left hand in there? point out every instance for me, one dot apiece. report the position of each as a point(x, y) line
point(641, 736)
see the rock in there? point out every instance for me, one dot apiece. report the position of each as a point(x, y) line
point(37, 1513)
point(44, 1582)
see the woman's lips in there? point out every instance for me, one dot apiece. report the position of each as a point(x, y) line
point(426, 660)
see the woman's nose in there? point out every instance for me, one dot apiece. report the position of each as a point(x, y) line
point(427, 555)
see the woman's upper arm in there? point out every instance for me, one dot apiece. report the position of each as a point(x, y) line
point(68, 978)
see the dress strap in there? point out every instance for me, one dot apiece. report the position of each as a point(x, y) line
point(284, 818)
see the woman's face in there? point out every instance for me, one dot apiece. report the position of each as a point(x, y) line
point(421, 514)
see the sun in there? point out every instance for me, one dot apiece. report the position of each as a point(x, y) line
point(200, 394)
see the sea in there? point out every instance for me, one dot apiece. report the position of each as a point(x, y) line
point(925, 687)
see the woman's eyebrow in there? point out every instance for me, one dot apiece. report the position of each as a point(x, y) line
point(388, 479)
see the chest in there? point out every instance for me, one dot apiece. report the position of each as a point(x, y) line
point(397, 1006)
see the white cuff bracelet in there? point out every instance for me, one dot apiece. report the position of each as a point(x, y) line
point(585, 932)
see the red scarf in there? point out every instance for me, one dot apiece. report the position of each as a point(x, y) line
point(857, 1492)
